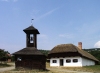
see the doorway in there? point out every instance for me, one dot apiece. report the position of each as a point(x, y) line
point(61, 62)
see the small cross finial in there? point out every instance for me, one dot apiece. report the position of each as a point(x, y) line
point(31, 21)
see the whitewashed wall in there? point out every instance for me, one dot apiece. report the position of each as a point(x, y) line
point(81, 62)
point(71, 64)
point(54, 64)
point(87, 62)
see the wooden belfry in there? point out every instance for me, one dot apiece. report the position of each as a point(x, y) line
point(30, 57)
point(31, 36)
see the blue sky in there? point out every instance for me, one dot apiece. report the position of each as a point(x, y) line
point(58, 21)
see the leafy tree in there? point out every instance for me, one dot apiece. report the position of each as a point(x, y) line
point(96, 54)
point(45, 52)
point(94, 51)
point(4, 55)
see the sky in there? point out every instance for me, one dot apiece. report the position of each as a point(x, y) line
point(58, 21)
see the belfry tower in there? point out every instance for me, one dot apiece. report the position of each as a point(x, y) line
point(31, 36)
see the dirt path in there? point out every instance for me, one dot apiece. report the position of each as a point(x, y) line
point(60, 70)
point(7, 68)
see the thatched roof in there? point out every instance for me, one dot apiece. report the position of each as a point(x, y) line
point(71, 48)
point(31, 29)
point(28, 51)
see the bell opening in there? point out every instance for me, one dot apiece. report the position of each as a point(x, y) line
point(31, 38)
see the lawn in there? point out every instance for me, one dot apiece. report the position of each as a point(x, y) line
point(95, 69)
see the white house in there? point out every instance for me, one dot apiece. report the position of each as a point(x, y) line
point(69, 55)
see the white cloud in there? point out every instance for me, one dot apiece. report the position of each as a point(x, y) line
point(66, 35)
point(97, 44)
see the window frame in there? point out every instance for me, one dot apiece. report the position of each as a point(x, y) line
point(75, 60)
point(68, 60)
point(54, 61)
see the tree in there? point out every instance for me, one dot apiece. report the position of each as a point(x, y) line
point(4, 55)
point(95, 52)
point(45, 52)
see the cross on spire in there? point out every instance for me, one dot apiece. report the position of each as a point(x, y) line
point(32, 22)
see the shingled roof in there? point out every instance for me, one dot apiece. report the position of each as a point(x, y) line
point(31, 29)
point(71, 48)
point(28, 51)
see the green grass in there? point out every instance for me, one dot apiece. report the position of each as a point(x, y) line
point(4, 65)
point(95, 68)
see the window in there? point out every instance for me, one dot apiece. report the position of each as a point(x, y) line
point(54, 61)
point(75, 60)
point(68, 61)
point(19, 59)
